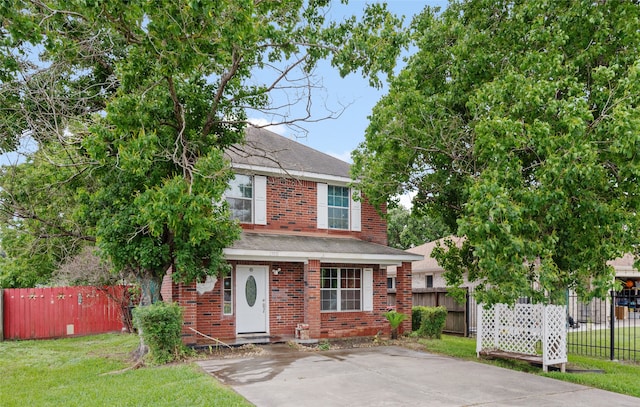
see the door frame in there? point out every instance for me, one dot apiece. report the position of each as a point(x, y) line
point(240, 296)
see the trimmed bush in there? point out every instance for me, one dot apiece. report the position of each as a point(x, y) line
point(416, 317)
point(160, 326)
point(431, 321)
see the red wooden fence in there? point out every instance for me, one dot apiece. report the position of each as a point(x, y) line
point(55, 312)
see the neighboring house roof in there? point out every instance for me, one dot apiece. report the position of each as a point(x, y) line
point(624, 266)
point(428, 264)
point(280, 247)
point(265, 151)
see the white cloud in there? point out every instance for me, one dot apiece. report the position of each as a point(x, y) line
point(281, 129)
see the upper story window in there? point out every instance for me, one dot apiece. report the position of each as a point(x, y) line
point(240, 198)
point(338, 207)
point(247, 198)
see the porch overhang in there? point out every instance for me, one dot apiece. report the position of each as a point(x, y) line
point(288, 248)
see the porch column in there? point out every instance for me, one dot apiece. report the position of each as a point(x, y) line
point(404, 302)
point(312, 297)
point(187, 298)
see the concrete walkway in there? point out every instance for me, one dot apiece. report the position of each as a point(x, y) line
point(393, 376)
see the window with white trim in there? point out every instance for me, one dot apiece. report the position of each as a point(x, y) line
point(391, 283)
point(338, 207)
point(246, 197)
point(227, 296)
point(341, 289)
point(428, 280)
point(239, 195)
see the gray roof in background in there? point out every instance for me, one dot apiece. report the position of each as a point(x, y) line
point(273, 245)
point(267, 149)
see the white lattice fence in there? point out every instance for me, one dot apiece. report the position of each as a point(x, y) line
point(524, 329)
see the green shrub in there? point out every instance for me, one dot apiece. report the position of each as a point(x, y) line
point(395, 319)
point(160, 325)
point(416, 317)
point(432, 320)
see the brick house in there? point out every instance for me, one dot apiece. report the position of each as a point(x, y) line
point(309, 253)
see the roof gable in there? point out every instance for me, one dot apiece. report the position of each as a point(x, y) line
point(263, 148)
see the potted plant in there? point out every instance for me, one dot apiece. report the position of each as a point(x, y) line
point(395, 319)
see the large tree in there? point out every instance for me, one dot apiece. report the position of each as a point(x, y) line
point(406, 229)
point(147, 95)
point(518, 122)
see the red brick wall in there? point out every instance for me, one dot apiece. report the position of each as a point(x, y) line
point(404, 302)
point(359, 323)
point(287, 291)
point(292, 207)
point(211, 319)
point(312, 297)
point(286, 309)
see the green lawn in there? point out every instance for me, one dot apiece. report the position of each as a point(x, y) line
point(597, 343)
point(619, 377)
point(73, 372)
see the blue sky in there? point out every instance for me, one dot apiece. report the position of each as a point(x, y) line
point(338, 137)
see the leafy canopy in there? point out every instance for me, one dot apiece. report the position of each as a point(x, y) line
point(146, 95)
point(519, 123)
point(406, 229)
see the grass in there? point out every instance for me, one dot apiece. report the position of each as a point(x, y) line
point(618, 377)
point(596, 342)
point(73, 372)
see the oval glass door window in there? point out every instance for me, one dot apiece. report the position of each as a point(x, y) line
point(250, 291)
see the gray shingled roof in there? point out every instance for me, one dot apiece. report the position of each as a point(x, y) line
point(267, 149)
point(274, 247)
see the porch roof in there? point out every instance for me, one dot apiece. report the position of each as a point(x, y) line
point(301, 248)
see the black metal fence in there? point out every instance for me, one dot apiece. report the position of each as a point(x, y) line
point(608, 328)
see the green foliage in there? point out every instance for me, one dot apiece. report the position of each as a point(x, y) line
point(406, 229)
point(324, 345)
point(395, 318)
point(430, 321)
point(517, 122)
point(37, 226)
point(146, 97)
point(160, 325)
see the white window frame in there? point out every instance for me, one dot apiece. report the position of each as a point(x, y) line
point(354, 210)
point(339, 289)
point(343, 209)
point(426, 278)
point(230, 290)
point(393, 283)
point(258, 199)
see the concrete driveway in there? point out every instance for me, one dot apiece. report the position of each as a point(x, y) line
point(393, 376)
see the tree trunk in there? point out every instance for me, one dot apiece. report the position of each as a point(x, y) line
point(149, 294)
point(149, 288)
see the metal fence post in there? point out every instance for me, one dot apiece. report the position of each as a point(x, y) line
point(612, 325)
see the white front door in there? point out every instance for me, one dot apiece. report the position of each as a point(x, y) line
point(252, 304)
